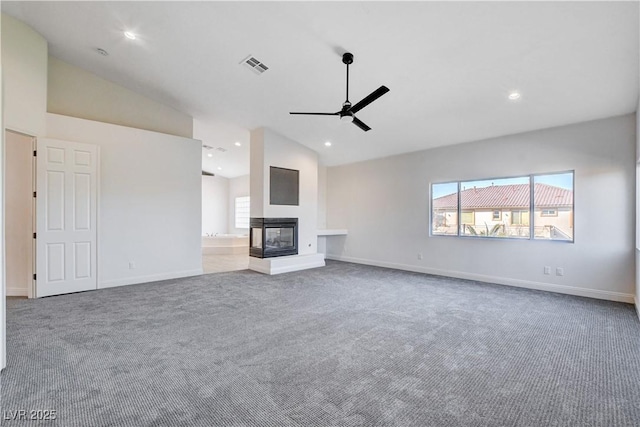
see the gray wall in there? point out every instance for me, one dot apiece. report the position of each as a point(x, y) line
point(74, 92)
point(637, 295)
point(384, 204)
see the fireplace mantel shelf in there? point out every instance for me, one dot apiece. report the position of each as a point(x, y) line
point(333, 232)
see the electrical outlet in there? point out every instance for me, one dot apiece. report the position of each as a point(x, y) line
point(419, 256)
point(559, 271)
point(547, 269)
point(132, 265)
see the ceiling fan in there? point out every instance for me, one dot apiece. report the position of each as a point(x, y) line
point(347, 113)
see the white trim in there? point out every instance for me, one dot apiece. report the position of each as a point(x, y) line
point(286, 264)
point(150, 278)
point(332, 232)
point(637, 307)
point(29, 133)
point(17, 292)
point(562, 289)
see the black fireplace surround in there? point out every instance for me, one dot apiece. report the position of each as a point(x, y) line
point(272, 237)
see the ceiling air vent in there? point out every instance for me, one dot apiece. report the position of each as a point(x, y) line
point(255, 65)
point(220, 149)
point(207, 147)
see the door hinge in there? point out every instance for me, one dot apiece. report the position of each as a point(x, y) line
point(35, 153)
point(34, 235)
point(34, 194)
point(34, 276)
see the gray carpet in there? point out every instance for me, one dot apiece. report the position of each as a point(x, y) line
point(344, 345)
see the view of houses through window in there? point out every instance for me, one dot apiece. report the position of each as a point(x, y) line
point(505, 207)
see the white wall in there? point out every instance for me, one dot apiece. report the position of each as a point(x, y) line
point(19, 213)
point(24, 58)
point(637, 252)
point(3, 317)
point(23, 98)
point(385, 206)
point(215, 205)
point(238, 187)
point(271, 149)
point(75, 92)
point(257, 182)
point(150, 200)
point(322, 197)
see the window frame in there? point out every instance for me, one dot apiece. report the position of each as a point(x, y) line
point(532, 208)
point(467, 211)
point(520, 212)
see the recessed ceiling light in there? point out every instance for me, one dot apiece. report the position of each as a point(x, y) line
point(327, 144)
point(209, 155)
point(514, 95)
point(219, 168)
point(237, 144)
point(129, 35)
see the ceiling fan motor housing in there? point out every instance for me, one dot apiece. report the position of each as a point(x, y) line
point(346, 116)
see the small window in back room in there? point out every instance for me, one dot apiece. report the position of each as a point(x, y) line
point(242, 212)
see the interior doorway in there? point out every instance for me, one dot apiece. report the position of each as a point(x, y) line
point(19, 214)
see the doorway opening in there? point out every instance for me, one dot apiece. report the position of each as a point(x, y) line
point(20, 209)
point(225, 223)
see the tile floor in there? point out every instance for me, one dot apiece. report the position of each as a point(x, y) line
point(222, 263)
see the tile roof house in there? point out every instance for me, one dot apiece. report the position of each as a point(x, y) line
point(504, 211)
point(506, 196)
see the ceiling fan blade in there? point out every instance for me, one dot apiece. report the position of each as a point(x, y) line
point(318, 114)
point(360, 124)
point(369, 99)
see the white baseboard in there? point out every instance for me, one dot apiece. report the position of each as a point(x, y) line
point(562, 289)
point(150, 278)
point(286, 264)
point(17, 292)
point(637, 308)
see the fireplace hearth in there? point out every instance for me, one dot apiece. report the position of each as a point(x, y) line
point(273, 237)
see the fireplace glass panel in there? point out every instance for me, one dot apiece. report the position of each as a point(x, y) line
point(256, 238)
point(280, 237)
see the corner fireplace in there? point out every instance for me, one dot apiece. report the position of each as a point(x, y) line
point(272, 237)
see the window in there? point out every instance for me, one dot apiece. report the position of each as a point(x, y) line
point(444, 213)
point(553, 201)
point(242, 212)
point(526, 207)
point(485, 200)
point(467, 218)
point(520, 218)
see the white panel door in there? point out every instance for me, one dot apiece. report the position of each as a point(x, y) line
point(66, 211)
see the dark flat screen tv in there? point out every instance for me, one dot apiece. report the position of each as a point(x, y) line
point(284, 186)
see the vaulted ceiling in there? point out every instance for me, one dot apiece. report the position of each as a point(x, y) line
point(450, 66)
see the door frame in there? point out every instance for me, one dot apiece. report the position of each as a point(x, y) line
point(31, 289)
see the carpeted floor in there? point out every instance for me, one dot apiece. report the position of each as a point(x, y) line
point(344, 345)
